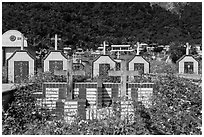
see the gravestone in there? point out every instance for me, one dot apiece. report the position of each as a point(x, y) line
point(55, 59)
point(101, 65)
point(187, 64)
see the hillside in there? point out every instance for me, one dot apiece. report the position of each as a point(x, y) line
point(88, 24)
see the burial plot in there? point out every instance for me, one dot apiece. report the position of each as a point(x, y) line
point(101, 65)
point(55, 59)
point(94, 94)
point(187, 64)
point(21, 65)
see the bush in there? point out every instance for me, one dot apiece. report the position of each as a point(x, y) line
point(176, 109)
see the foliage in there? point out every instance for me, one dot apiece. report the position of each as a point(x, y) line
point(177, 106)
point(177, 50)
point(23, 111)
point(88, 24)
point(176, 109)
point(162, 67)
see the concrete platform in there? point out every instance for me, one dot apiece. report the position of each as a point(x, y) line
point(8, 87)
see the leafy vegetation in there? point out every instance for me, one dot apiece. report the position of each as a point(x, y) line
point(176, 109)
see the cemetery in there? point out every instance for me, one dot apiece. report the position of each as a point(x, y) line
point(130, 87)
point(90, 100)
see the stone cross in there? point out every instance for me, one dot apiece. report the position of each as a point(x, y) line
point(123, 73)
point(104, 48)
point(69, 73)
point(56, 39)
point(187, 48)
point(138, 48)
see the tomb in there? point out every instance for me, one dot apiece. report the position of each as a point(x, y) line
point(55, 59)
point(102, 64)
point(12, 41)
point(21, 66)
point(138, 63)
point(187, 64)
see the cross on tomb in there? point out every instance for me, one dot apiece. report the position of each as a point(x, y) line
point(123, 73)
point(56, 39)
point(187, 48)
point(138, 48)
point(69, 73)
point(104, 48)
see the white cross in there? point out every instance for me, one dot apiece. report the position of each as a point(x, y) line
point(187, 48)
point(138, 48)
point(104, 48)
point(56, 39)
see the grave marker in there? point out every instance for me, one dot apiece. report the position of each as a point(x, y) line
point(138, 48)
point(187, 64)
point(69, 73)
point(104, 48)
point(55, 39)
point(102, 64)
point(123, 73)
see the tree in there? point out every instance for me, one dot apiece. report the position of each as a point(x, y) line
point(177, 50)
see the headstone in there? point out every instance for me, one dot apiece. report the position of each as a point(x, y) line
point(102, 64)
point(138, 63)
point(54, 60)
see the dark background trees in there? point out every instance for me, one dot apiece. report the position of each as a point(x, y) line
point(88, 24)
